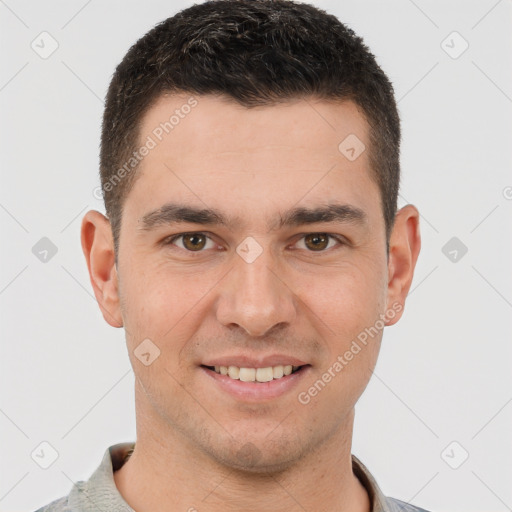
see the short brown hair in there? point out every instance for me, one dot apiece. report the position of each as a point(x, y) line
point(256, 52)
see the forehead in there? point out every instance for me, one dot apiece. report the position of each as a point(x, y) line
point(208, 149)
point(210, 123)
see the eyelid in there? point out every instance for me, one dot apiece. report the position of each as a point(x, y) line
point(339, 238)
point(169, 240)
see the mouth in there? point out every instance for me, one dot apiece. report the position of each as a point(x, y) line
point(255, 378)
point(258, 375)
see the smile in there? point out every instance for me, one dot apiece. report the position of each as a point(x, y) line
point(266, 374)
point(253, 377)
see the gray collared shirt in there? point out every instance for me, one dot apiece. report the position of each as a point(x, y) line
point(100, 491)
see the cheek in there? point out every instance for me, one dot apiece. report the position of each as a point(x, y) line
point(162, 302)
point(352, 333)
point(347, 301)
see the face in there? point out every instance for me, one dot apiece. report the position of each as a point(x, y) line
point(249, 240)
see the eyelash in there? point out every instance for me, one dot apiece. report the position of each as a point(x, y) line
point(169, 241)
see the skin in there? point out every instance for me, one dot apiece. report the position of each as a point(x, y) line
point(253, 164)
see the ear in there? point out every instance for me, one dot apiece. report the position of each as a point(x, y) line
point(98, 248)
point(404, 247)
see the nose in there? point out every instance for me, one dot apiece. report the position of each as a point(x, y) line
point(255, 297)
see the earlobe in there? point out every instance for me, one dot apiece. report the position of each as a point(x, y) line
point(98, 248)
point(404, 248)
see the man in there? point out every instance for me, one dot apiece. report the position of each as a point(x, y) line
point(253, 253)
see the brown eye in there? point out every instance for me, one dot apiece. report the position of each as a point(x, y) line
point(316, 241)
point(194, 241)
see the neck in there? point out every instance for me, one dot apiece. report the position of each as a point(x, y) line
point(167, 472)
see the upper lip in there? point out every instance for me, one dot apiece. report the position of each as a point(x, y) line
point(244, 361)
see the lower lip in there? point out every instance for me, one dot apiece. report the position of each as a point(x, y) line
point(257, 391)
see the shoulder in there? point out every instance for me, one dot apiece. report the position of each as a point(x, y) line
point(58, 505)
point(395, 505)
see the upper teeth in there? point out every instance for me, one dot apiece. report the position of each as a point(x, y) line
point(256, 374)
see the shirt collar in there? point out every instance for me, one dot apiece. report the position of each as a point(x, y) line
point(100, 491)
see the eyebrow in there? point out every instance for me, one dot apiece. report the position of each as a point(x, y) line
point(172, 213)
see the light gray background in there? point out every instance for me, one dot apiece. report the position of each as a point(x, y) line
point(444, 370)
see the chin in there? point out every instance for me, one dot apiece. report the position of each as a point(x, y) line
point(259, 456)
